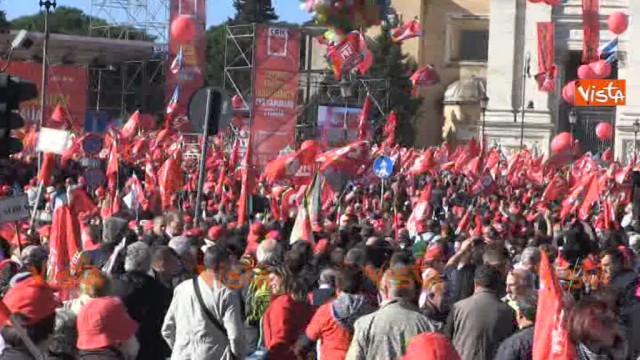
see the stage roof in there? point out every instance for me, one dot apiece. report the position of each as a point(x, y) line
point(82, 50)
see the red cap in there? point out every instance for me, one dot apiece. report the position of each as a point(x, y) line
point(274, 234)
point(147, 226)
point(104, 322)
point(434, 252)
point(215, 232)
point(188, 219)
point(33, 298)
point(195, 232)
point(430, 346)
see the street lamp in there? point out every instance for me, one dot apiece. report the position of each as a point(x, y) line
point(636, 128)
point(573, 117)
point(484, 100)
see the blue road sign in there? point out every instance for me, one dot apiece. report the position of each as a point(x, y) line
point(383, 167)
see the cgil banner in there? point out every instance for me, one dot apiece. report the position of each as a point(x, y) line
point(186, 68)
point(275, 91)
point(67, 86)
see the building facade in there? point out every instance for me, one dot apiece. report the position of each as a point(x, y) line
point(491, 39)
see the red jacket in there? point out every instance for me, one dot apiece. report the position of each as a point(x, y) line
point(284, 320)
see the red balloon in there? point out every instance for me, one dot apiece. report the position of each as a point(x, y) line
point(604, 131)
point(585, 72)
point(183, 29)
point(569, 92)
point(561, 142)
point(601, 69)
point(618, 22)
point(236, 102)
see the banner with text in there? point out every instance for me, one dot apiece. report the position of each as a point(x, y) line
point(275, 91)
point(187, 62)
point(67, 86)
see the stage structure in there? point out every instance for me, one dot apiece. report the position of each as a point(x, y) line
point(120, 88)
point(316, 87)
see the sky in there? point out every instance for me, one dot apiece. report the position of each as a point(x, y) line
point(217, 10)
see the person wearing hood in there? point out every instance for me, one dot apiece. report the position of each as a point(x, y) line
point(333, 321)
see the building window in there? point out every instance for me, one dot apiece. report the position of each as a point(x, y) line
point(467, 39)
point(474, 45)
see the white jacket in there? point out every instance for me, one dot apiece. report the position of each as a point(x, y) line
point(191, 335)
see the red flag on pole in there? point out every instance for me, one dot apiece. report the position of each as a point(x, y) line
point(44, 175)
point(390, 130)
point(551, 339)
point(246, 183)
point(364, 129)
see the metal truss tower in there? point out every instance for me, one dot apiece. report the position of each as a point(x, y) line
point(122, 88)
point(238, 64)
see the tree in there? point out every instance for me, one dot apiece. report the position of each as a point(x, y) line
point(3, 20)
point(390, 63)
point(216, 36)
point(72, 21)
point(253, 11)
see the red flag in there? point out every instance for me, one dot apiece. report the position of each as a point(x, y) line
point(408, 30)
point(465, 222)
point(79, 201)
point(348, 158)
point(364, 128)
point(390, 130)
point(554, 189)
point(422, 209)
point(170, 179)
point(46, 171)
point(63, 245)
point(112, 167)
point(551, 339)
point(245, 188)
point(130, 128)
point(423, 163)
point(150, 177)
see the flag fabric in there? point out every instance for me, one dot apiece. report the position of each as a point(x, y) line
point(551, 338)
point(79, 201)
point(554, 190)
point(367, 57)
point(348, 158)
point(364, 128)
point(408, 30)
point(390, 130)
point(610, 48)
point(178, 61)
point(170, 179)
point(74, 149)
point(46, 170)
point(245, 189)
point(130, 128)
point(63, 245)
point(425, 76)
point(590, 30)
point(421, 210)
point(113, 167)
point(545, 77)
point(173, 103)
point(308, 212)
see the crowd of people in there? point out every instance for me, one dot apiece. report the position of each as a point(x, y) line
point(443, 266)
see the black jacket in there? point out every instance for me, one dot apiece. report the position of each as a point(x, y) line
point(101, 354)
point(16, 354)
point(518, 346)
point(152, 239)
point(147, 302)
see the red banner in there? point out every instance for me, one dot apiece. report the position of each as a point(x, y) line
point(546, 47)
point(67, 86)
point(187, 62)
point(275, 91)
point(590, 30)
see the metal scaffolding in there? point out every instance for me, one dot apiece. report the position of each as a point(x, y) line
point(133, 84)
point(238, 64)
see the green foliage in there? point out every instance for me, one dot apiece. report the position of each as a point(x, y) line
point(253, 11)
point(73, 21)
point(3, 20)
point(390, 63)
point(216, 36)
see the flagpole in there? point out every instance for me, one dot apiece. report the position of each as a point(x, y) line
point(203, 158)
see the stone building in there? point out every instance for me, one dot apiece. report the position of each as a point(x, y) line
point(469, 41)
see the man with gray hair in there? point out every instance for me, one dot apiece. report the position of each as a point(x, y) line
point(326, 287)
point(146, 300)
point(270, 251)
point(373, 339)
